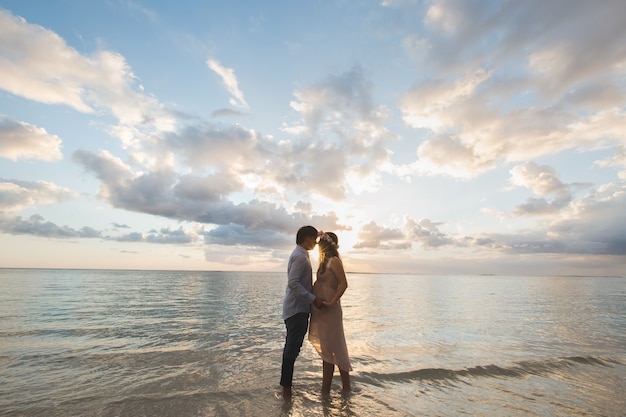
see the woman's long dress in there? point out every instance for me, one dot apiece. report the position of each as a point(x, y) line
point(326, 328)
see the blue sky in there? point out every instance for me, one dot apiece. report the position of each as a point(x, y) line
point(435, 137)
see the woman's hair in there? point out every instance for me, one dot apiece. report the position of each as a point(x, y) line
point(327, 245)
point(304, 232)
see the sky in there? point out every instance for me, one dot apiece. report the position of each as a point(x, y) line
point(434, 137)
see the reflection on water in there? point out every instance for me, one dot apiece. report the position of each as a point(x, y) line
point(116, 343)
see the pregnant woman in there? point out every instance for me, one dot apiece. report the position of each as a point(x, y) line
point(326, 328)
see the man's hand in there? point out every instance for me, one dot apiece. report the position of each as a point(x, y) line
point(318, 302)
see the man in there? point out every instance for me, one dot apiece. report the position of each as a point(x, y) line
point(297, 302)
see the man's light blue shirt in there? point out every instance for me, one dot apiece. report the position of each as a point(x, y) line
point(298, 295)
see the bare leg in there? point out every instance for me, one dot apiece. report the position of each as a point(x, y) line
point(328, 369)
point(345, 380)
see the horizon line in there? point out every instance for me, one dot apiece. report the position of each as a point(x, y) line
point(276, 271)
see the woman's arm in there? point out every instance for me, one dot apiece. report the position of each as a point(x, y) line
point(336, 266)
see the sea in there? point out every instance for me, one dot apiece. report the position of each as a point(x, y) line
point(180, 343)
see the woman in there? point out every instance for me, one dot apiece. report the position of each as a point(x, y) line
point(326, 328)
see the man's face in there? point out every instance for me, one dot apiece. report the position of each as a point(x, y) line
point(310, 242)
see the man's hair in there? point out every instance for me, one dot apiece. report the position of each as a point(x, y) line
point(304, 232)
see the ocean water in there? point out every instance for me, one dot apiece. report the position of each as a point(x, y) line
point(145, 343)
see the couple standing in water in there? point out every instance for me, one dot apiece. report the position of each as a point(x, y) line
point(321, 301)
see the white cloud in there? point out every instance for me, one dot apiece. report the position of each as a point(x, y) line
point(230, 82)
point(374, 236)
point(432, 105)
point(449, 155)
point(619, 159)
point(342, 133)
point(16, 195)
point(425, 232)
point(21, 140)
point(514, 81)
point(543, 181)
point(37, 64)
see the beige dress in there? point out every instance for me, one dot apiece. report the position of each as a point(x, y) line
point(326, 328)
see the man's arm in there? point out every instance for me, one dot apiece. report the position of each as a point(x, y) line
point(296, 271)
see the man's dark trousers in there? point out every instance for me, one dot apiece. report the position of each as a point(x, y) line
point(297, 326)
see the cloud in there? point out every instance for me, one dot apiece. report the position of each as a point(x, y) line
point(342, 130)
point(472, 137)
point(137, 8)
point(547, 36)
point(511, 81)
point(164, 236)
point(242, 157)
point(595, 223)
point(431, 105)
point(226, 113)
point(543, 181)
point(374, 236)
point(20, 140)
point(235, 234)
point(498, 83)
point(168, 236)
point(425, 232)
point(37, 64)
point(16, 195)
point(230, 82)
point(131, 237)
point(619, 159)
point(150, 192)
point(25, 48)
point(261, 216)
point(186, 197)
point(345, 152)
point(162, 192)
point(224, 146)
point(448, 155)
point(347, 94)
point(36, 226)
